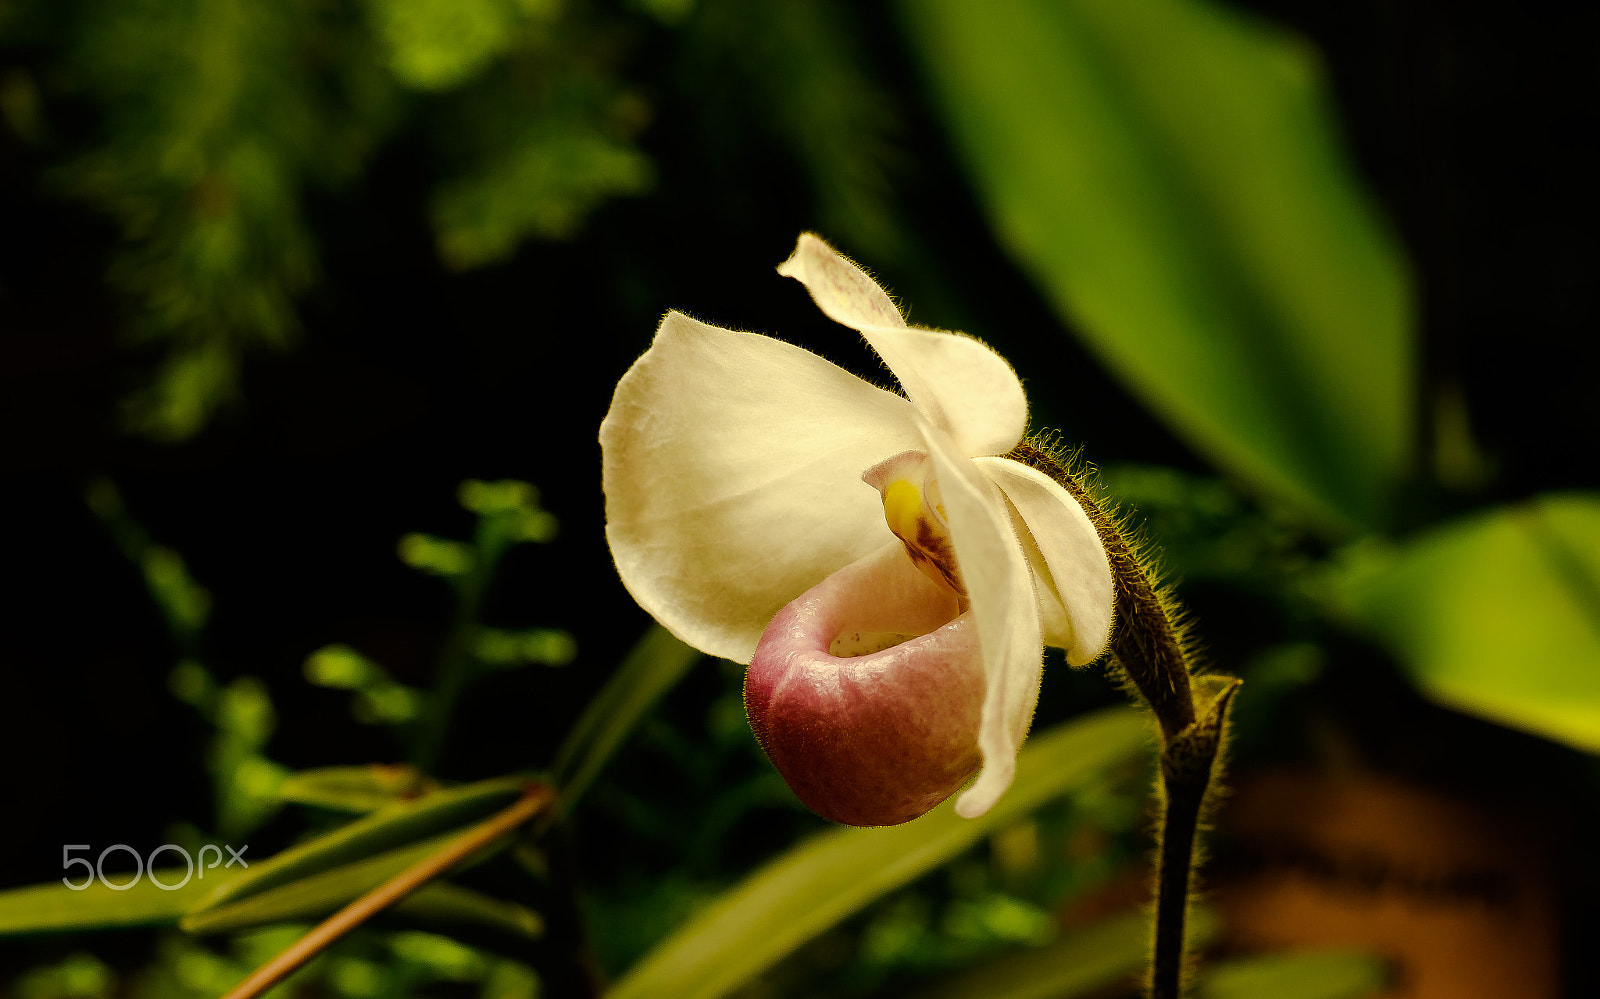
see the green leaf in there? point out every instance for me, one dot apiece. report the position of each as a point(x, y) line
point(834, 874)
point(323, 894)
point(55, 908)
point(656, 663)
point(442, 902)
point(1497, 615)
point(1084, 963)
point(1304, 975)
point(1169, 173)
point(313, 896)
point(358, 789)
point(397, 825)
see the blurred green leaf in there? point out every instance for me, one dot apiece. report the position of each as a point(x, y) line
point(1497, 614)
point(323, 894)
point(436, 556)
point(79, 976)
point(655, 664)
point(440, 44)
point(358, 789)
point(452, 904)
point(313, 896)
point(55, 908)
point(395, 826)
point(545, 184)
point(1170, 174)
point(1084, 963)
point(830, 876)
point(1295, 975)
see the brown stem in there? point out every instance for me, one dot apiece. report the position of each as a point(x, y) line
point(533, 799)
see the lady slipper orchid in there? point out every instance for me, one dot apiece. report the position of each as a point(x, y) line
point(888, 576)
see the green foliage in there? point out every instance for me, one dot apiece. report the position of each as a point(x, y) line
point(1082, 963)
point(245, 782)
point(1496, 614)
point(1330, 974)
point(218, 122)
point(807, 74)
point(398, 826)
point(357, 789)
point(654, 666)
point(1166, 171)
point(79, 976)
point(830, 876)
point(56, 908)
point(214, 124)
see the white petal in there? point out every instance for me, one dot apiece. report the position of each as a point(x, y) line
point(1080, 573)
point(963, 387)
point(732, 467)
point(1000, 589)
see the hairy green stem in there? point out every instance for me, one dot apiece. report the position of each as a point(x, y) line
point(1148, 642)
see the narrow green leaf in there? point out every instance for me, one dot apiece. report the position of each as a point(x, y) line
point(1083, 963)
point(835, 873)
point(1497, 614)
point(1328, 974)
point(55, 908)
point(390, 827)
point(359, 789)
point(313, 896)
point(443, 902)
point(656, 663)
point(1169, 173)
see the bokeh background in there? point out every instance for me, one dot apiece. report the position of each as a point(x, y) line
point(1311, 284)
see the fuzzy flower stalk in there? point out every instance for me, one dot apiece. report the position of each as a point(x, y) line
point(890, 565)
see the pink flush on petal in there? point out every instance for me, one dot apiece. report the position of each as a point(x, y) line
point(866, 693)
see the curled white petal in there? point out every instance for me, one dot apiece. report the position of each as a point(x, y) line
point(1000, 588)
point(1079, 572)
point(962, 386)
point(731, 464)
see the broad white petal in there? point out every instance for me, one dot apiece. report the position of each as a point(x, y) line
point(963, 387)
point(1000, 589)
point(1079, 572)
point(732, 467)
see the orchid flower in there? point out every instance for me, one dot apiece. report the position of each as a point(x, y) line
point(888, 575)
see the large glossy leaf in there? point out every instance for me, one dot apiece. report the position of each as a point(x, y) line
point(1497, 614)
point(1330, 974)
point(1082, 963)
point(656, 663)
point(1168, 172)
point(828, 877)
point(55, 908)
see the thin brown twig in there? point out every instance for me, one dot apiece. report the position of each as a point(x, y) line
point(533, 799)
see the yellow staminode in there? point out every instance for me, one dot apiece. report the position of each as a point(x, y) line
point(902, 508)
point(925, 537)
